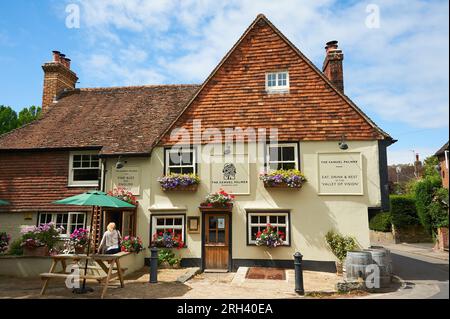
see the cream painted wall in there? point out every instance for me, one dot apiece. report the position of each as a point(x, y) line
point(11, 223)
point(312, 215)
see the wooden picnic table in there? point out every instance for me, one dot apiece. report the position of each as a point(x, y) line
point(110, 264)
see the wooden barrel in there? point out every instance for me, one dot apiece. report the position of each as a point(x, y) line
point(356, 264)
point(382, 258)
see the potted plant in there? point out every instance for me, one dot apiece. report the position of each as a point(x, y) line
point(220, 199)
point(339, 246)
point(38, 241)
point(270, 237)
point(122, 194)
point(79, 240)
point(4, 242)
point(291, 178)
point(179, 182)
point(167, 239)
point(131, 244)
point(167, 259)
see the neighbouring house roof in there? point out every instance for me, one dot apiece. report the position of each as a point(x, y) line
point(442, 149)
point(119, 120)
point(233, 94)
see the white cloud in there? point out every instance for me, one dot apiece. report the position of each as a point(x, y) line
point(399, 71)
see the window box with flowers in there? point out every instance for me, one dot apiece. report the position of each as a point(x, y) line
point(131, 244)
point(179, 182)
point(218, 200)
point(291, 178)
point(40, 240)
point(270, 237)
point(167, 239)
point(123, 194)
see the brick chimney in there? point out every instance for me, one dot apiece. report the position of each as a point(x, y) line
point(57, 77)
point(332, 66)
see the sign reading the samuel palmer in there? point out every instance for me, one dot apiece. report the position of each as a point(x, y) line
point(128, 178)
point(231, 173)
point(340, 174)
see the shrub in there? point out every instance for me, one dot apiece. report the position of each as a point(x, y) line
point(438, 209)
point(403, 211)
point(166, 255)
point(340, 244)
point(381, 222)
point(424, 192)
point(15, 248)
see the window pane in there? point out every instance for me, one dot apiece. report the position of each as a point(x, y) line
point(274, 154)
point(221, 236)
point(174, 158)
point(288, 153)
point(254, 232)
point(160, 221)
point(187, 170)
point(273, 219)
point(212, 236)
point(77, 158)
point(275, 166)
point(187, 158)
point(85, 174)
point(76, 164)
point(174, 170)
point(281, 219)
point(178, 221)
point(213, 222)
point(169, 221)
point(254, 219)
point(288, 166)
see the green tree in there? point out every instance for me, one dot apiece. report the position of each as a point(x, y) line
point(8, 119)
point(429, 167)
point(28, 115)
point(425, 192)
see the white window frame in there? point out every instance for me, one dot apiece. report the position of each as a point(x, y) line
point(287, 239)
point(71, 169)
point(54, 216)
point(277, 88)
point(156, 227)
point(181, 150)
point(296, 155)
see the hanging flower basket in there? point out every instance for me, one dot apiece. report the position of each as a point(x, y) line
point(123, 194)
point(179, 182)
point(218, 200)
point(292, 178)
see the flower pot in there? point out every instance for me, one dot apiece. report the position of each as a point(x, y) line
point(180, 188)
point(36, 251)
point(79, 250)
point(339, 268)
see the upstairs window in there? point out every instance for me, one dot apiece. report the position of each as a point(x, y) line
point(180, 161)
point(282, 156)
point(277, 81)
point(84, 169)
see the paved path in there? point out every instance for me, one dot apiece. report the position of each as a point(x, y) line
point(424, 271)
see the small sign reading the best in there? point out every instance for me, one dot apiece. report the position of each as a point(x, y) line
point(127, 178)
point(340, 174)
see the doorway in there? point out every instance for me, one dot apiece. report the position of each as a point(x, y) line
point(217, 242)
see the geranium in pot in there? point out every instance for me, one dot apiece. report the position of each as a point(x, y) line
point(339, 246)
point(131, 244)
point(220, 199)
point(79, 240)
point(270, 237)
point(179, 182)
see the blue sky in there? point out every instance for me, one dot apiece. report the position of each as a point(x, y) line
point(395, 70)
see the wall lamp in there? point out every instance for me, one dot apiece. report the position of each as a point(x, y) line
point(120, 164)
point(342, 144)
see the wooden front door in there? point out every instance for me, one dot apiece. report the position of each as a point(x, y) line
point(217, 241)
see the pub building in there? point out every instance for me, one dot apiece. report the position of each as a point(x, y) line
point(277, 111)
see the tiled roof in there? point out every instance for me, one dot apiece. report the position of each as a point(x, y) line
point(234, 94)
point(119, 120)
point(442, 149)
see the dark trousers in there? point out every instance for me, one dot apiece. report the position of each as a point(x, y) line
point(112, 251)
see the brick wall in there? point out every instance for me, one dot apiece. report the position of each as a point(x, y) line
point(31, 181)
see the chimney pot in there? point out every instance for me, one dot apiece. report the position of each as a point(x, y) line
point(332, 65)
point(67, 62)
point(56, 56)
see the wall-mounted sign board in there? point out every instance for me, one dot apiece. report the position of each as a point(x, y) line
point(128, 178)
point(340, 173)
point(230, 173)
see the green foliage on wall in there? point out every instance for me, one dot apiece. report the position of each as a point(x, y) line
point(403, 211)
point(425, 192)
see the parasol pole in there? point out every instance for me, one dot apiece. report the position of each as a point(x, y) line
point(88, 248)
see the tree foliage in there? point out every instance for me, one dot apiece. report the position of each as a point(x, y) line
point(426, 191)
point(9, 119)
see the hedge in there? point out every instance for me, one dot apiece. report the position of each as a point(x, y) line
point(381, 222)
point(424, 192)
point(403, 211)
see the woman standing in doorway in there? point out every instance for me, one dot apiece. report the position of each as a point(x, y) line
point(110, 243)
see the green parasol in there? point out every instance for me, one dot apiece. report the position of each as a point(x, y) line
point(3, 202)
